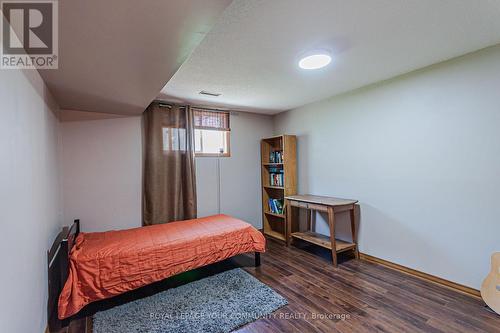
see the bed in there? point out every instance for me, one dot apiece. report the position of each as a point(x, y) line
point(94, 266)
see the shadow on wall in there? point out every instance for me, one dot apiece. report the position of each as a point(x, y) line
point(303, 168)
point(342, 223)
point(343, 226)
point(41, 89)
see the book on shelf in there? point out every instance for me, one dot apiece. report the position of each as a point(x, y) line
point(276, 206)
point(276, 169)
point(276, 179)
point(276, 176)
point(276, 156)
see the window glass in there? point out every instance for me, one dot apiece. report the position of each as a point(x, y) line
point(212, 132)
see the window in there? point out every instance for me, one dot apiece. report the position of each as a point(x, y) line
point(212, 133)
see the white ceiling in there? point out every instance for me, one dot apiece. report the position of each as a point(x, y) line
point(251, 54)
point(116, 55)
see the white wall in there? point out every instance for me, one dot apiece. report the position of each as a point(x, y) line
point(422, 154)
point(240, 173)
point(102, 173)
point(29, 198)
point(102, 179)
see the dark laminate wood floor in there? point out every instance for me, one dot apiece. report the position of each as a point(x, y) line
point(369, 297)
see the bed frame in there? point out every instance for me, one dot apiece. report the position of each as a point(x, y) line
point(58, 265)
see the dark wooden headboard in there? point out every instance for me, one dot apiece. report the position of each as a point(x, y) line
point(57, 262)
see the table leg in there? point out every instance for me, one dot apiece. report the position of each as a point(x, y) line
point(288, 224)
point(354, 231)
point(308, 219)
point(313, 220)
point(331, 223)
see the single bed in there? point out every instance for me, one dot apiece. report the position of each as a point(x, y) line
point(101, 265)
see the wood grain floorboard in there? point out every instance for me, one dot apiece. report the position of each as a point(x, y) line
point(357, 296)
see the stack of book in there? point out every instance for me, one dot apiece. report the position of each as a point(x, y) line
point(276, 206)
point(276, 176)
point(276, 179)
point(276, 156)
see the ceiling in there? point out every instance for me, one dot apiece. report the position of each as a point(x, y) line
point(116, 55)
point(251, 54)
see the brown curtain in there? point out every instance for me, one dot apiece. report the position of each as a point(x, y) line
point(169, 192)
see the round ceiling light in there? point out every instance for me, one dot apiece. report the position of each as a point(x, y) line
point(315, 61)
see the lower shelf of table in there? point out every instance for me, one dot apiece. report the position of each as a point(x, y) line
point(323, 241)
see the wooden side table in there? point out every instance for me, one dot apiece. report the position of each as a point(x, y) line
point(328, 205)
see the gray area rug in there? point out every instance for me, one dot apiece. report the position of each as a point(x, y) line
point(220, 303)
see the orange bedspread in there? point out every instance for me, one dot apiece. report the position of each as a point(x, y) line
point(106, 264)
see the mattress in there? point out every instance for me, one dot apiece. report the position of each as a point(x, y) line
point(106, 264)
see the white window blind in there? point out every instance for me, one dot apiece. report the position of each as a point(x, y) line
point(211, 120)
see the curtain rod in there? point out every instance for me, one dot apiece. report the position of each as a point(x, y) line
point(165, 104)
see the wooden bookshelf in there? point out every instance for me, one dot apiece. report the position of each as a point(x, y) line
point(274, 224)
point(275, 187)
point(281, 216)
